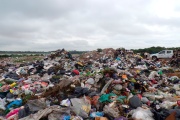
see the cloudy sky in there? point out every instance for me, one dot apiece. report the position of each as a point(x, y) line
point(44, 25)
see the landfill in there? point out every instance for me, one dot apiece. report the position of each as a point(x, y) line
point(112, 84)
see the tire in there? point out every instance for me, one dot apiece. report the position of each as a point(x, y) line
point(154, 58)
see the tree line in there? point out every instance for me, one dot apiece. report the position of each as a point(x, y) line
point(153, 49)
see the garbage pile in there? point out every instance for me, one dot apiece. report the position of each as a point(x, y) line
point(106, 85)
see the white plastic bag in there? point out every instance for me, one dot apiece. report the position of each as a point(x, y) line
point(81, 107)
point(142, 114)
point(2, 104)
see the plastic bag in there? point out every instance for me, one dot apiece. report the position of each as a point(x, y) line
point(15, 103)
point(176, 86)
point(13, 112)
point(168, 104)
point(66, 102)
point(37, 104)
point(2, 103)
point(110, 111)
point(142, 114)
point(106, 97)
point(81, 107)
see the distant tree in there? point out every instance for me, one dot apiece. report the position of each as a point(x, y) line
point(150, 50)
point(99, 50)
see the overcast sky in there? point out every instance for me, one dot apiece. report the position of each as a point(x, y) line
point(44, 25)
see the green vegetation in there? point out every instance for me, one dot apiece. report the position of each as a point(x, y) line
point(153, 49)
point(5, 54)
point(26, 59)
point(18, 55)
point(14, 54)
point(77, 52)
point(99, 50)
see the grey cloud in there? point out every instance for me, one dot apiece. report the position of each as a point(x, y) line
point(83, 25)
point(48, 9)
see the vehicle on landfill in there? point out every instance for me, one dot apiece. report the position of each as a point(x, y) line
point(162, 54)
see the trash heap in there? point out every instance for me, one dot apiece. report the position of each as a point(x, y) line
point(97, 85)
